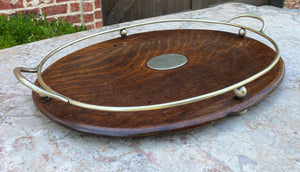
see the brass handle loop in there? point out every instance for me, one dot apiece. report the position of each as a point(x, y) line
point(18, 73)
point(47, 91)
point(263, 27)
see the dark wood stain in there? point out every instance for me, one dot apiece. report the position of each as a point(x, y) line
point(114, 73)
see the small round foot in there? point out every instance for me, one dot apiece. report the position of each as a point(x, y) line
point(242, 112)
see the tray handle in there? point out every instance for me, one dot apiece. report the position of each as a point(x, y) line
point(262, 29)
point(43, 93)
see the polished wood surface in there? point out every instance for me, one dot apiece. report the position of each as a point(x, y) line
point(114, 73)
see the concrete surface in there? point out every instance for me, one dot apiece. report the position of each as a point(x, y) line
point(266, 138)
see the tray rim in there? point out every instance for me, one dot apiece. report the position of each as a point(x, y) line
point(171, 127)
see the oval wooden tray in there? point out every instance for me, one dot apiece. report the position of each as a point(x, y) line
point(112, 89)
point(115, 73)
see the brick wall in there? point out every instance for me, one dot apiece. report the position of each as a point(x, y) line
point(78, 12)
point(292, 4)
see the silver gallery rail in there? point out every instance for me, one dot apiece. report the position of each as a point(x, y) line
point(238, 88)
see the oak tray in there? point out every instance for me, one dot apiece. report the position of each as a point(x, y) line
point(155, 82)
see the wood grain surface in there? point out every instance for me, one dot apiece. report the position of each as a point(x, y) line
point(114, 73)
